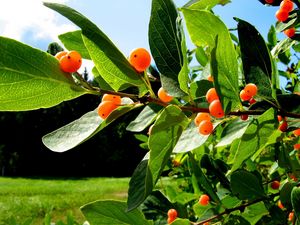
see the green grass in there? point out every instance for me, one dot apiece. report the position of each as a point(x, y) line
point(23, 198)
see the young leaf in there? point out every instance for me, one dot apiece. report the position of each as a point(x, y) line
point(32, 79)
point(82, 129)
point(257, 62)
point(254, 139)
point(246, 185)
point(109, 61)
point(255, 212)
point(112, 212)
point(165, 44)
point(206, 29)
point(73, 41)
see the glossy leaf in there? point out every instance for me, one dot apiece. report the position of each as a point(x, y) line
point(257, 62)
point(165, 44)
point(100, 81)
point(82, 129)
point(204, 4)
point(73, 41)
point(206, 29)
point(254, 139)
point(112, 212)
point(144, 119)
point(245, 185)
point(32, 79)
point(199, 88)
point(201, 56)
point(109, 61)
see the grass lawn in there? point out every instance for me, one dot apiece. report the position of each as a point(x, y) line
point(24, 198)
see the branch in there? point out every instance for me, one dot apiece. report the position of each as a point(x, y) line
point(240, 208)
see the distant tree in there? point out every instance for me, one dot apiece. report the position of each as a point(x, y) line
point(54, 48)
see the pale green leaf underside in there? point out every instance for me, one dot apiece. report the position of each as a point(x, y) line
point(82, 129)
point(32, 79)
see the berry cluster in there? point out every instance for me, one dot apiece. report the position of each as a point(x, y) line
point(204, 124)
point(108, 104)
point(70, 61)
point(286, 6)
point(172, 215)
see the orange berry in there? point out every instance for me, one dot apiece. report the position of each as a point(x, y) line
point(296, 132)
point(297, 146)
point(211, 95)
point(215, 109)
point(140, 59)
point(251, 89)
point(205, 127)
point(176, 163)
point(171, 220)
point(70, 62)
point(244, 96)
point(200, 117)
point(275, 185)
point(282, 15)
point(291, 216)
point(204, 200)
point(287, 5)
point(207, 223)
point(172, 213)
point(283, 126)
point(210, 78)
point(244, 117)
point(105, 108)
point(280, 205)
point(60, 54)
point(164, 96)
point(112, 98)
point(290, 32)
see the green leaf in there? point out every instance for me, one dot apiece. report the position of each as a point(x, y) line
point(113, 213)
point(290, 103)
point(272, 37)
point(206, 29)
point(181, 222)
point(255, 212)
point(285, 195)
point(204, 4)
point(199, 88)
point(144, 119)
point(282, 46)
point(236, 220)
point(82, 129)
point(100, 81)
point(295, 198)
point(109, 61)
point(246, 185)
point(258, 135)
point(32, 79)
point(201, 56)
point(234, 130)
point(73, 41)
point(202, 180)
point(257, 62)
point(165, 133)
point(165, 44)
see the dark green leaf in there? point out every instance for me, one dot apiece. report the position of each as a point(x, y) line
point(236, 220)
point(285, 194)
point(82, 129)
point(100, 81)
point(113, 213)
point(290, 103)
point(206, 29)
point(181, 222)
point(144, 119)
point(199, 88)
point(73, 41)
point(109, 61)
point(255, 212)
point(295, 198)
point(256, 58)
point(261, 132)
point(32, 79)
point(272, 38)
point(165, 44)
point(246, 185)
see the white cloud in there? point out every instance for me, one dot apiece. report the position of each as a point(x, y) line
point(18, 17)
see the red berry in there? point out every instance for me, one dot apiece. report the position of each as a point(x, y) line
point(291, 216)
point(205, 127)
point(283, 126)
point(275, 185)
point(296, 132)
point(280, 205)
point(290, 32)
point(171, 220)
point(172, 213)
point(244, 96)
point(252, 101)
point(244, 117)
point(297, 146)
point(251, 89)
point(204, 200)
point(211, 95)
point(164, 96)
point(269, 1)
point(287, 5)
point(215, 109)
point(282, 15)
point(140, 59)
